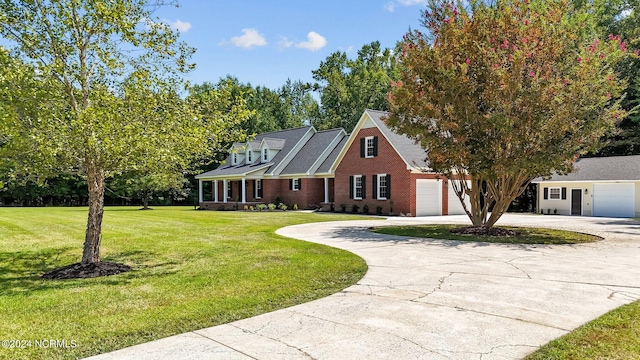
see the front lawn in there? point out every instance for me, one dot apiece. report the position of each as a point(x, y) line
point(615, 335)
point(524, 235)
point(191, 269)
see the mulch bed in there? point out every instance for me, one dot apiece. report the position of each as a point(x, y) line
point(484, 231)
point(81, 271)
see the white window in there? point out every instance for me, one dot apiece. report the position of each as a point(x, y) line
point(234, 158)
point(249, 156)
point(258, 189)
point(265, 154)
point(357, 187)
point(369, 146)
point(382, 186)
point(295, 185)
point(554, 193)
point(229, 192)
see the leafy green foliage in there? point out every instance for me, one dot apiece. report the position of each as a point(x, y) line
point(506, 93)
point(348, 87)
point(96, 93)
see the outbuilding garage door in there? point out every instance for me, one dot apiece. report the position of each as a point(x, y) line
point(455, 207)
point(613, 200)
point(428, 197)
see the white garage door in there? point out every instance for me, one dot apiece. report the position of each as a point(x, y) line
point(428, 197)
point(613, 200)
point(455, 207)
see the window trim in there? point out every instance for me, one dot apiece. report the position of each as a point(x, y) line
point(366, 147)
point(355, 187)
point(229, 189)
point(559, 193)
point(295, 185)
point(258, 189)
point(379, 187)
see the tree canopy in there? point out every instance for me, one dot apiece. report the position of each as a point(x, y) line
point(349, 86)
point(504, 93)
point(93, 88)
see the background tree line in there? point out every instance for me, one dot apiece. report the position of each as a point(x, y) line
point(344, 86)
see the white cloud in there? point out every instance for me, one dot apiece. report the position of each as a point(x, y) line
point(180, 25)
point(314, 42)
point(412, 2)
point(249, 39)
point(390, 6)
point(284, 43)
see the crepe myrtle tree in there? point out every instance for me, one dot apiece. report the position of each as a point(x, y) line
point(105, 80)
point(504, 92)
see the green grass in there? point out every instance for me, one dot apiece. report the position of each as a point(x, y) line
point(615, 335)
point(191, 269)
point(524, 235)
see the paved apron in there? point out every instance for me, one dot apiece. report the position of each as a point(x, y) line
point(434, 299)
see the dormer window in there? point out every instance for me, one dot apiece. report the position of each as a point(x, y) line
point(234, 158)
point(265, 154)
point(249, 156)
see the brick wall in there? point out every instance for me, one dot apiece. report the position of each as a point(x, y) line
point(387, 162)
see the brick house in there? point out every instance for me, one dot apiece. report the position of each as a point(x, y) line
point(373, 170)
point(386, 172)
point(289, 166)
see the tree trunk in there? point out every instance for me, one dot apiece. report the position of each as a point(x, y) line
point(145, 203)
point(91, 251)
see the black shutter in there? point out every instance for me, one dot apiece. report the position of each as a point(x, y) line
point(255, 189)
point(362, 148)
point(290, 184)
point(300, 184)
point(546, 193)
point(230, 185)
point(260, 189)
point(564, 193)
point(388, 186)
point(364, 186)
point(375, 146)
point(350, 187)
point(374, 185)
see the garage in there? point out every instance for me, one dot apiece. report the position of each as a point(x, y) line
point(455, 206)
point(613, 200)
point(428, 197)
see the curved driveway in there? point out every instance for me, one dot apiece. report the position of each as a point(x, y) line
point(434, 299)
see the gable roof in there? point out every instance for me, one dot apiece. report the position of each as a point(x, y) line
point(411, 152)
point(317, 148)
point(612, 168)
point(286, 140)
point(327, 164)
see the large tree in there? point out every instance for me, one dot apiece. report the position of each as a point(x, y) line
point(105, 79)
point(505, 92)
point(349, 86)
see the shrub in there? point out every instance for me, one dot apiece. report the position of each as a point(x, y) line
point(355, 208)
point(272, 206)
point(343, 207)
point(365, 209)
point(251, 208)
point(379, 210)
point(261, 207)
point(295, 206)
point(282, 207)
point(246, 208)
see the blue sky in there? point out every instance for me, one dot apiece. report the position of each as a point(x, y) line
point(265, 42)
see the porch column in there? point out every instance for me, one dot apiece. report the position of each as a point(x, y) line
point(326, 190)
point(224, 189)
point(215, 190)
point(199, 191)
point(244, 190)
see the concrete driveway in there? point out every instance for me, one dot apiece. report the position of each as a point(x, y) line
point(434, 299)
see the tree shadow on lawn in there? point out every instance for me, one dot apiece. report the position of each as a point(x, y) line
point(20, 271)
point(366, 235)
